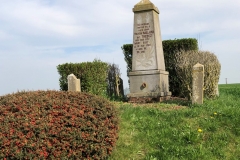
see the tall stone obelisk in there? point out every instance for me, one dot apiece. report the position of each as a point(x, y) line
point(148, 79)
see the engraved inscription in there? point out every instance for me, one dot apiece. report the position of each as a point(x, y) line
point(144, 43)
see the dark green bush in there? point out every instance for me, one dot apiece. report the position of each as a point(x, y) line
point(127, 51)
point(96, 77)
point(115, 83)
point(170, 48)
point(93, 76)
point(56, 125)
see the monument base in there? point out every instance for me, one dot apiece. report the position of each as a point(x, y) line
point(148, 86)
point(148, 97)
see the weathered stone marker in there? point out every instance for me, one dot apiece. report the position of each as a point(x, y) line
point(197, 83)
point(73, 83)
point(217, 91)
point(148, 79)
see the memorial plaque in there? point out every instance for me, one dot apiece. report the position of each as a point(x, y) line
point(143, 42)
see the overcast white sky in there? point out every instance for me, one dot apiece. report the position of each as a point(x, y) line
point(38, 35)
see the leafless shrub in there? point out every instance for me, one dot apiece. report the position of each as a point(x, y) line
point(184, 62)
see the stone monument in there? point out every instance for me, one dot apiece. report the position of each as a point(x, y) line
point(197, 83)
point(148, 79)
point(73, 83)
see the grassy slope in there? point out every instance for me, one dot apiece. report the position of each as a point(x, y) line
point(167, 131)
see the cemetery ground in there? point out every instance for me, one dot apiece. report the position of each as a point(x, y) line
point(179, 130)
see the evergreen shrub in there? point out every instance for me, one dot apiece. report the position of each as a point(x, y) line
point(115, 83)
point(170, 48)
point(96, 77)
point(56, 125)
point(92, 75)
point(127, 51)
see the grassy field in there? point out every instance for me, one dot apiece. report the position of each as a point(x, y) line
point(178, 130)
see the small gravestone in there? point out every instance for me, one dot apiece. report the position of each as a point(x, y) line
point(197, 83)
point(148, 78)
point(217, 91)
point(73, 83)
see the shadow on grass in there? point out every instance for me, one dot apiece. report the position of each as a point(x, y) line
point(179, 101)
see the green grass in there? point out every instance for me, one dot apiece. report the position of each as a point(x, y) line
point(170, 130)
